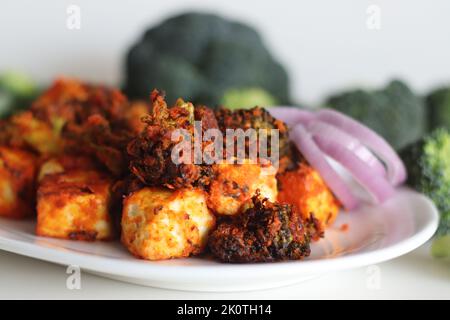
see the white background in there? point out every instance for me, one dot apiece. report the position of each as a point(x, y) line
point(326, 45)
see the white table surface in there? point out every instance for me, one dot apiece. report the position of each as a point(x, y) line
point(414, 276)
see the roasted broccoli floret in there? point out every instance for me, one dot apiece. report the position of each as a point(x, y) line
point(255, 118)
point(151, 152)
point(78, 118)
point(438, 108)
point(428, 164)
point(394, 111)
point(264, 232)
point(201, 57)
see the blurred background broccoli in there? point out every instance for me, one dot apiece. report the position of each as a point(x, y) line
point(394, 111)
point(428, 164)
point(438, 108)
point(208, 60)
point(17, 91)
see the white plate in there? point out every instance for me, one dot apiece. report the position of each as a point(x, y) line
point(374, 234)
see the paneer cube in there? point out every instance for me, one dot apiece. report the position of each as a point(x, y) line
point(74, 204)
point(161, 224)
point(17, 183)
point(235, 184)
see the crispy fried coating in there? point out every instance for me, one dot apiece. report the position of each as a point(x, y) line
point(97, 137)
point(234, 184)
point(25, 131)
point(74, 200)
point(74, 102)
point(151, 153)
point(206, 116)
point(256, 118)
point(304, 188)
point(78, 118)
point(265, 232)
point(134, 116)
point(98, 120)
point(67, 162)
point(163, 224)
point(17, 182)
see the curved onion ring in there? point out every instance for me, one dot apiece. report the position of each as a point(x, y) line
point(376, 184)
point(305, 143)
point(336, 136)
point(291, 116)
point(396, 171)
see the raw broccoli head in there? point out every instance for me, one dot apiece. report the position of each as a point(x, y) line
point(201, 57)
point(394, 111)
point(438, 108)
point(247, 98)
point(428, 164)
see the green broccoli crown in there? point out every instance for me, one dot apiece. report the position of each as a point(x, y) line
point(18, 83)
point(200, 57)
point(393, 111)
point(438, 108)
point(17, 91)
point(247, 98)
point(428, 164)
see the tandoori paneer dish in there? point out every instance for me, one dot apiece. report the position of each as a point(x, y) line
point(89, 165)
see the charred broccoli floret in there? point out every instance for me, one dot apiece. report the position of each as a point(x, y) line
point(428, 164)
point(151, 152)
point(255, 118)
point(77, 118)
point(264, 232)
point(93, 120)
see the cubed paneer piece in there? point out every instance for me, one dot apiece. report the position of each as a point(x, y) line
point(304, 188)
point(161, 224)
point(17, 183)
point(75, 205)
point(235, 184)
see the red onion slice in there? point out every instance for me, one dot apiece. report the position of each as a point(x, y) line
point(304, 142)
point(396, 171)
point(373, 182)
point(337, 136)
point(291, 116)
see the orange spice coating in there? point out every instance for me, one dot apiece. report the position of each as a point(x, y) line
point(304, 188)
point(17, 182)
point(74, 205)
point(162, 224)
point(235, 184)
